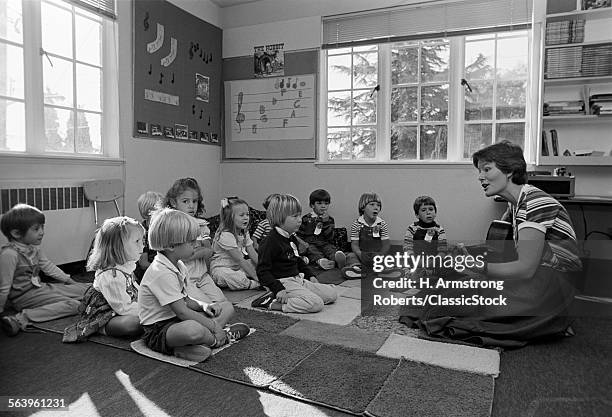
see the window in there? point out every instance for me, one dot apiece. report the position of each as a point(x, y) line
point(410, 97)
point(58, 78)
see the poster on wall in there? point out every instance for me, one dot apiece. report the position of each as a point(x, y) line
point(202, 87)
point(269, 60)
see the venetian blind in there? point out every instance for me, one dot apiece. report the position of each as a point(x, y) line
point(99, 7)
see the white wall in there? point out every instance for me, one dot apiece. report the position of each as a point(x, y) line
point(151, 164)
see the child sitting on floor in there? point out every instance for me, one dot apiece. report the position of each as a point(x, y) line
point(281, 268)
point(175, 324)
point(231, 244)
point(317, 229)
point(110, 306)
point(425, 235)
point(263, 230)
point(147, 203)
point(21, 260)
point(185, 195)
point(369, 236)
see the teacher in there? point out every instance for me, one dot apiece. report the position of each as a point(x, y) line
point(536, 284)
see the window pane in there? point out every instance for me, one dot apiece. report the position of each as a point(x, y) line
point(89, 135)
point(434, 62)
point(403, 142)
point(11, 21)
point(511, 99)
point(57, 122)
point(434, 141)
point(88, 40)
point(365, 48)
point(512, 58)
point(475, 137)
point(479, 59)
point(479, 103)
point(339, 145)
point(57, 81)
point(339, 108)
point(11, 70)
point(89, 89)
point(56, 30)
point(364, 107)
point(404, 65)
point(514, 132)
point(434, 102)
point(364, 143)
point(12, 125)
point(339, 72)
point(404, 104)
point(365, 70)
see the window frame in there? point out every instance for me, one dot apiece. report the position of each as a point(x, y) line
point(33, 98)
point(456, 110)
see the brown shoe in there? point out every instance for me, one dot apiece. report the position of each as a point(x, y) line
point(10, 325)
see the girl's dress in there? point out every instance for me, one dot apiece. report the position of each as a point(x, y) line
point(225, 271)
point(96, 311)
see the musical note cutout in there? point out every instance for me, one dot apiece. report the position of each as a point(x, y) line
point(159, 40)
point(169, 59)
point(146, 21)
point(150, 69)
point(240, 117)
point(161, 77)
point(172, 78)
point(201, 113)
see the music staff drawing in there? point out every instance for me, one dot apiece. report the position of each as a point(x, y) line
point(273, 109)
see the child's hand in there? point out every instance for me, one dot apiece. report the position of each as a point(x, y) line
point(212, 310)
point(314, 280)
point(282, 297)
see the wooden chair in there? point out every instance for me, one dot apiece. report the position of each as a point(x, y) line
point(102, 191)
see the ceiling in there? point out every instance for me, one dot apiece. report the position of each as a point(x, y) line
point(230, 3)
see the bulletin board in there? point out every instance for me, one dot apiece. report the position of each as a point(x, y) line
point(271, 118)
point(177, 75)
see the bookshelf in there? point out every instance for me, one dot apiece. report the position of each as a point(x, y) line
point(576, 81)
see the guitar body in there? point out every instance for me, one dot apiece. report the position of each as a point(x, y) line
point(500, 244)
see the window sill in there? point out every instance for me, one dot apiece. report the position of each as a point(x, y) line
point(397, 164)
point(55, 159)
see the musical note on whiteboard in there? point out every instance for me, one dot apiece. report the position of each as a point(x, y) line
point(272, 109)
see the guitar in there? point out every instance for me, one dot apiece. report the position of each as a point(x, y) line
point(500, 243)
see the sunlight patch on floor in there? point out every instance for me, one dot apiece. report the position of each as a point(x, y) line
point(146, 406)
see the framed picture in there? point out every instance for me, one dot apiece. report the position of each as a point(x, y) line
point(169, 132)
point(214, 138)
point(203, 137)
point(156, 130)
point(193, 135)
point(180, 131)
point(595, 4)
point(142, 128)
point(202, 87)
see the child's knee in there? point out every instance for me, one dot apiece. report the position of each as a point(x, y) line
point(227, 307)
point(195, 333)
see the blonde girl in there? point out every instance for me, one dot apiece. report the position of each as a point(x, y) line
point(174, 323)
point(110, 305)
point(185, 195)
point(281, 269)
point(232, 242)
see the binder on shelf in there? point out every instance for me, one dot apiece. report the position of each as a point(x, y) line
point(555, 142)
point(544, 143)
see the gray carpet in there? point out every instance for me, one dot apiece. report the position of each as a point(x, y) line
point(261, 320)
point(340, 378)
point(259, 359)
point(416, 389)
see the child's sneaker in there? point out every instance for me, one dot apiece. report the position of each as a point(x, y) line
point(264, 301)
point(326, 263)
point(351, 272)
point(10, 325)
point(236, 332)
point(340, 258)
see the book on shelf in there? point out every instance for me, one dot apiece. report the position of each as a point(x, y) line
point(553, 108)
point(601, 104)
point(554, 139)
point(544, 144)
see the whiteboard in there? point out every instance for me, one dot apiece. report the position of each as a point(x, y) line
point(280, 108)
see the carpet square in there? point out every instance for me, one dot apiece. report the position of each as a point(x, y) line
point(342, 312)
point(333, 334)
point(423, 390)
point(349, 292)
point(263, 320)
point(259, 359)
point(452, 356)
point(338, 377)
point(235, 297)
